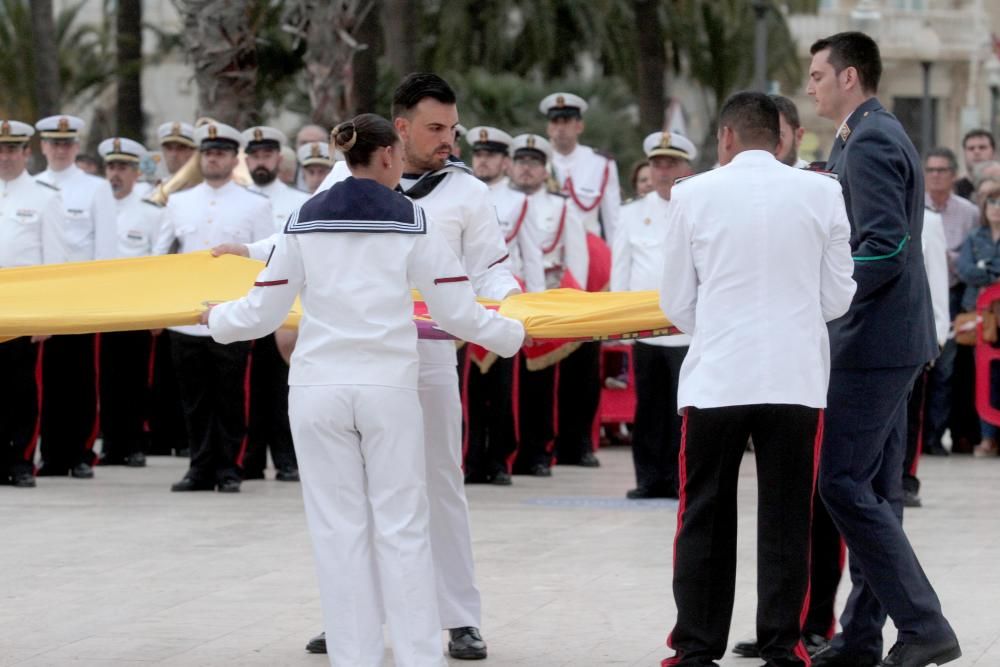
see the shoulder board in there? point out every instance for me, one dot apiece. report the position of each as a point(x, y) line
point(687, 178)
point(254, 192)
point(928, 207)
point(153, 203)
point(556, 193)
point(48, 185)
point(604, 154)
point(823, 172)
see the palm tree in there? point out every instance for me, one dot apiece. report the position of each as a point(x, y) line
point(128, 52)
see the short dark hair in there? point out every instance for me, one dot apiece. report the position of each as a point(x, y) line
point(942, 152)
point(419, 85)
point(853, 49)
point(979, 132)
point(753, 117)
point(359, 137)
point(787, 108)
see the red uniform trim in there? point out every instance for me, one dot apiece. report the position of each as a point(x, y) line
point(559, 231)
point(246, 407)
point(453, 279)
point(92, 438)
point(571, 191)
point(502, 259)
point(270, 283)
point(520, 221)
point(920, 431)
point(466, 366)
point(800, 647)
point(29, 451)
point(515, 391)
point(681, 507)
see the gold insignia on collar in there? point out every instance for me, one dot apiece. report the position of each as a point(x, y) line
point(845, 132)
point(647, 221)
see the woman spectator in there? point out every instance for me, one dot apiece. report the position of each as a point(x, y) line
point(979, 266)
point(642, 182)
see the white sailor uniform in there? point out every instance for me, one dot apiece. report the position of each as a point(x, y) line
point(356, 357)
point(285, 200)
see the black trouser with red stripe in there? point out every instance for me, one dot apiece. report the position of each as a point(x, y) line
point(166, 417)
point(268, 411)
point(579, 397)
point(786, 441)
point(915, 410)
point(69, 401)
point(828, 557)
point(656, 432)
point(18, 406)
point(536, 401)
point(212, 379)
point(124, 392)
point(489, 423)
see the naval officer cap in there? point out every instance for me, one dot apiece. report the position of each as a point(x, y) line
point(120, 149)
point(532, 145)
point(218, 135)
point(563, 105)
point(176, 133)
point(315, 152)
point(60, 128)
point(669, 144)
point(15, 132)
point(264, 137)
point(490, 139)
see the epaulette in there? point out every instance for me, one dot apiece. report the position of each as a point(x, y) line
point(682, 179)
point(823, 172)
point(557, 193)
point(254, 192)
point(48, 185)
point(153, 203)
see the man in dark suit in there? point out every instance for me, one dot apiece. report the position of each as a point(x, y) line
point(877, 350)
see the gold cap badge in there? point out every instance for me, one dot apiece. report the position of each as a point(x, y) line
point(212, 132)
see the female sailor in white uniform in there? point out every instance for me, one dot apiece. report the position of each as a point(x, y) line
point(352, 253)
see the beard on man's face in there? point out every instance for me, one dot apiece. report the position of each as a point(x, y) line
point(263, 176)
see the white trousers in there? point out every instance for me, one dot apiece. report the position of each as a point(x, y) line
point(360, 454)
point(451, 538)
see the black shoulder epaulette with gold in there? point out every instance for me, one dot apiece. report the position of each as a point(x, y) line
point(153, 203)
point(254, 192)
point(48, 185)
point(686, 178)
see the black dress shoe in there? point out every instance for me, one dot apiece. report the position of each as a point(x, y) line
point(317, 644)
point(644, 493)
point(287, 475)
point(501, 478)
point(229, 486)
point(189, 484)
point(588, 460)
point(541, 470)
point(23, 480)
point(466, 644)
point(814, 643)
point(921, 655)
point(136, 460)
point(82, 471)
point(747, 649)
point(831, 657)
point(912, 499)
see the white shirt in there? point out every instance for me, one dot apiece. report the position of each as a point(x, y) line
point(89, 224)
point(500, 184)
point(514, 212)
point(935, 248)
point(203, 217)
point(757, 260)
point(284, 200)
point(594, 181)
point(357, 323)
point(138, 225)
point(558, 230)
point(31, 222)
point(637, 254)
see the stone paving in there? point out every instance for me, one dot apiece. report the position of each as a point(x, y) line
point(118, 571)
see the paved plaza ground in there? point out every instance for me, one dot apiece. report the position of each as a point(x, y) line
point(119, 571)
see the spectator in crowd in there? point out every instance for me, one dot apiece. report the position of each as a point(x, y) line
point(979, 147)
point(642, 183)
point(979, 266)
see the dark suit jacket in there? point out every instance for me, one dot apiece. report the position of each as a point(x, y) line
point(890, 322)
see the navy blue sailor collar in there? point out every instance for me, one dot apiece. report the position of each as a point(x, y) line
point(358, 205)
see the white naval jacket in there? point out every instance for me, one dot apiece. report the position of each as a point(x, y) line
point(284, 200)
point(558, 230)
point(637, 254)
point(515, 214)
point(203, 217)
point(139, 222)
point(757, 260)
point(354, 278)
point(587, 168)
point(89, 223)
point(31, 223)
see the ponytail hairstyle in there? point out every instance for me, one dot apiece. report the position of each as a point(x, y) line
point(359, 137)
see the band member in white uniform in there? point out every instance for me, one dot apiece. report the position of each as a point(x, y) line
point(637, 264)
point(363, 471)
point(211, 376)
point(177, 145)
point(31, 224)
point(268, 423)
point(69, 364)
point(488, 388)
point(315, 163)
point(125, 355)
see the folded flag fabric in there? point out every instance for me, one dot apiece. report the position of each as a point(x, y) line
point(173, 290)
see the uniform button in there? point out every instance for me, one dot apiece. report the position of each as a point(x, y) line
point(209, 221)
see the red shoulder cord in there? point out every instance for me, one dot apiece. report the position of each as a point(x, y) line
point(520, 221)
point(597, 201)
point(559, 231)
